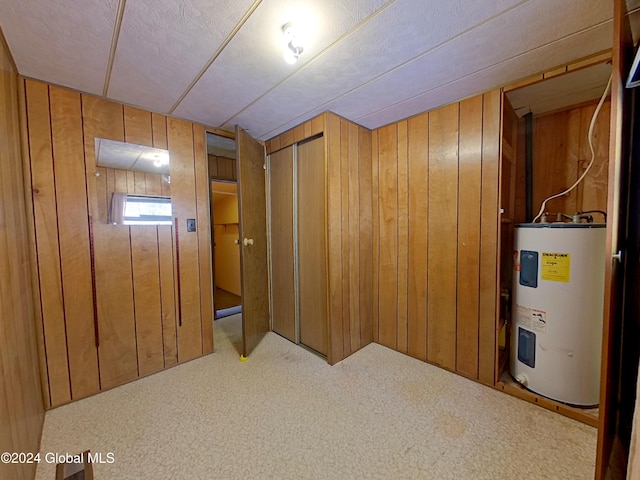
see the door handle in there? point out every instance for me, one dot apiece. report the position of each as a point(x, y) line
point(247, 241)
point(617, 256)
point(236, 241)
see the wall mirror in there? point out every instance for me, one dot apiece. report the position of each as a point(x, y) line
point(133, 183)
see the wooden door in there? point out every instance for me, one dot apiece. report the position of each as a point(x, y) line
point(253, 239)
point(283, 292)
point(608, 462)
point(311, 245)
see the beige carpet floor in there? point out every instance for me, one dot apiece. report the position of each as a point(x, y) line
point(286, 414)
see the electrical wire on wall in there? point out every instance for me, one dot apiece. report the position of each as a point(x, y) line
point(593, 153)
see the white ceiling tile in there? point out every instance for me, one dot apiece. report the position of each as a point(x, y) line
point(363, 56)
point(253, 61)
point(373, 60)
point(522, 30)
point(492, 77)
point(519, 30)
point(164, 44)
point(61, 41)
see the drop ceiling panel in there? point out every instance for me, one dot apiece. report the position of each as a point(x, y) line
point(362, 56)
point(564, 90)
point(253, 63)
point(525, 29)
point(164, 44)
point(489, 78)
point(373, 61)
point(63, 42)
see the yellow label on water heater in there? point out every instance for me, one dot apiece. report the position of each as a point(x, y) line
point(556, 267)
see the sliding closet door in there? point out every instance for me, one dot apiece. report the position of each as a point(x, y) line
point(312, 271)
point(282, 241)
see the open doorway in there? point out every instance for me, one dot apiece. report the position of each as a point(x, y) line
point(228, 289)
point(221, 154)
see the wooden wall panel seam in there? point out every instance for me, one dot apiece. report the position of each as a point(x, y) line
point(38, 267)
point(164, 363)
point(135, 313)
point(198, 230)
point(21, 401)
point(31, 224)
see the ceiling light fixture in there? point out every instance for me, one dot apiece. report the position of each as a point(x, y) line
point(293, 45)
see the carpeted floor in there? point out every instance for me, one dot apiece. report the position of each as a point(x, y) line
point(286, 414)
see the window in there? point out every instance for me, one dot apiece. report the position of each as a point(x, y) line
point(131, 209)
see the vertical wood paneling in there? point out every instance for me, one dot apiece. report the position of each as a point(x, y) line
point(21, 412)
point(282, 268)
point(403, 235)
point(147, 304)
point(317, 124)
point(137, 126)
point(435, 236)
point(469, 183)
point(204, 237)
point(139, 183)
point(334, 220)
point(365, 240)
point(353, 235)
point(46, 231)
point(159, 130)
point(344, 215)
point(489, 237)
point(71, 196)
point(101, 119)
point(350, 224)
point(167, 294)
point(418, 171)
point(442, 236)
point(60, 129)
point(114, 292)
point(561, 154)
point(153, 184)
point(311, 245)
point(388, 255)
point(375, 220)
point(131, 181)
point(103, 182)
point(30, 233)
point(286, 138)
point(183, 195)
point(121, 181)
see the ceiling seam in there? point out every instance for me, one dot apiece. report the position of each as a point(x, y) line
point(320, 54)
point(216, 54)
point(593, 27)
point(427, 52)
point(114, 45)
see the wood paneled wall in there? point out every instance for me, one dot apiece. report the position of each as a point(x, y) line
point(561, 154)
point(349, 227)
point(136, 267)
point(222, 168)
point(21, 406)
point(350, 240)
point(435, 235)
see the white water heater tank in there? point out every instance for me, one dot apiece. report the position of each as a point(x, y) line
point(558, 295)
